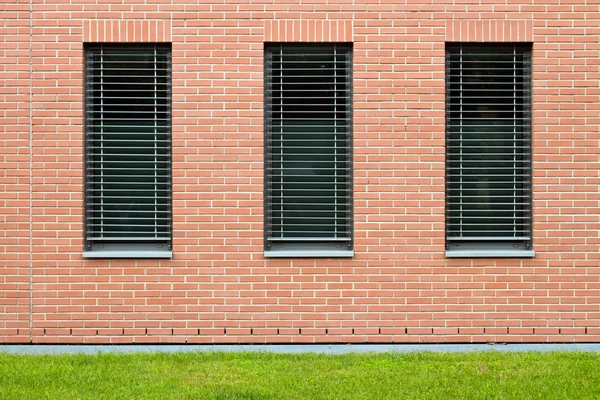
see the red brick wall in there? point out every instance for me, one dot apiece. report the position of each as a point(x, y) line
point(399, 287)
point(15, 172)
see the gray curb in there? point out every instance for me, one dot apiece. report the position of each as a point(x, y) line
point(298, 348)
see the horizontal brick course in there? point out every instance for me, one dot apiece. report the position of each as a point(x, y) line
point(308, 31)
point(126, 31)
point(489, 30)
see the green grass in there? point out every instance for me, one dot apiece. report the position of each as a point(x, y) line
point(257, 376)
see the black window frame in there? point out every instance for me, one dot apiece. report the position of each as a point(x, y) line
point(127, 150)
point(290, 228)
point(489, 209)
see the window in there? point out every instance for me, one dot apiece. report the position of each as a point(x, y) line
point(488, 151)
point(128, 151)
point(308, 150)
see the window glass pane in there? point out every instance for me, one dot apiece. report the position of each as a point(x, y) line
point(308, 143)
point(128, 144)
point(488, 144)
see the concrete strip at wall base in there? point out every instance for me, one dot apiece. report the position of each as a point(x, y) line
point(314, 348)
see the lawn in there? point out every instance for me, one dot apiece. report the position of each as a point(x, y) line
point(477, 375)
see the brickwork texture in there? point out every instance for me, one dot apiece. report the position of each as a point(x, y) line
point(218, 288)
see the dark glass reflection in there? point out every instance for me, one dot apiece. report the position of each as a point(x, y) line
point(488, 138)
point(128, 144)
point(310, 125)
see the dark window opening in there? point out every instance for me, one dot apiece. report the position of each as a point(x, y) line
point(308, 144)
point(488, 147)
point(127, 146)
